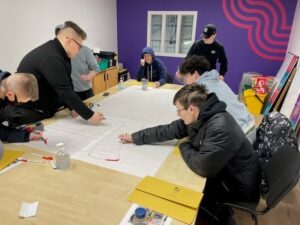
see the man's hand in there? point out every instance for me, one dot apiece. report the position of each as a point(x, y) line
point(126, 138)
point(142, 62)
point(74, 114)
point(88, 77)
point(157, 84)
point(36, 135)
point(96, 118)
point(221, 77)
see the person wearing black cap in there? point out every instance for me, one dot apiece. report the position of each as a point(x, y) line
point(211, 49)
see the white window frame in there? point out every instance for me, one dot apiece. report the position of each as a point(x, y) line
point(164, 14)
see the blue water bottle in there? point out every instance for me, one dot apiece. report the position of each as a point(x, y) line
point(140, 216)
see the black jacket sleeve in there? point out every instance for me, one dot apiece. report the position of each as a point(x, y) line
point(175, 130)
point(162, 73)
point(212, 154)
point(140, 73)
point(223, 61)
point(55, 73)
point(13, 135)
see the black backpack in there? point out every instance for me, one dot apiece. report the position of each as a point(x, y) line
point(274, 133)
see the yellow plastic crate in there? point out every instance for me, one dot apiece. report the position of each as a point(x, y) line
point(253, 101)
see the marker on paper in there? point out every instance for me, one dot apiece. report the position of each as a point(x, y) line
point(112, 160)
point(123, 141)
point(43, 157)
point(53, 164)
point(28, 160)
point(91, 105)
point(45, 140)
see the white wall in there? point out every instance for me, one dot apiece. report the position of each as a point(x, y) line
point(25, 25)
point(294, 42)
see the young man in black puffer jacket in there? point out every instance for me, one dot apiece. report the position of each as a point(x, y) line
point(217, 149)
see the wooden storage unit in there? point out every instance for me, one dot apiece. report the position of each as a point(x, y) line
point(105, 79)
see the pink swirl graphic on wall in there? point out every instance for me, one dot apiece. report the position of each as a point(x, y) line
point(266, 24)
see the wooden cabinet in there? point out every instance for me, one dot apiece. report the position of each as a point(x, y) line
point(105, 79)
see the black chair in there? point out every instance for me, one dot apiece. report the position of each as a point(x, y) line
point(281, 174)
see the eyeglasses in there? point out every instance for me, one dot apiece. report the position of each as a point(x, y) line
point(80, 46)
point(179, 110)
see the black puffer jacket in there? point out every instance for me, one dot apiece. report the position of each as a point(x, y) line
point(217, 147)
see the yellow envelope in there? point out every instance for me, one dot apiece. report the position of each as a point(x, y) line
point(9, 157)
point(170, 199)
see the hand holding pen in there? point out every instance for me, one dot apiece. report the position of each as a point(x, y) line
point(126, 138)
point(37, 135)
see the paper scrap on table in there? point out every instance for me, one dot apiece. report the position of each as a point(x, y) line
point(28, 209)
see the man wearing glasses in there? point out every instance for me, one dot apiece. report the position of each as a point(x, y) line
point(50, 63)
point(84, 69)
point(216, 148)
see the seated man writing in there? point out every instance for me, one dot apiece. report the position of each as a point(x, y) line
point(217, 149)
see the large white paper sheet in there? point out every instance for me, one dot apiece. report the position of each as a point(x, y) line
point(127, 111)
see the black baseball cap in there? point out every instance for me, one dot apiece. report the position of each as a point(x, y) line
point(209, 30)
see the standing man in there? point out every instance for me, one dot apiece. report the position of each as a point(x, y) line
point(211, 49)
point(50, 63)
point(84, 68)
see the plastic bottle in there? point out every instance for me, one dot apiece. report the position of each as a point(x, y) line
point(62, 157)
point(144, 84)
point(121, 84)
point(140, 216)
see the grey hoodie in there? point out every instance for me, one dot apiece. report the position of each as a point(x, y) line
point(237, 109)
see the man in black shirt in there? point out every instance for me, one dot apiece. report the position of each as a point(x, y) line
point(16, 89)
point(211, 49)
point(50, 63)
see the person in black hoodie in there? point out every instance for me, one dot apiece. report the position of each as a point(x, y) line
point(216, 148)
point(152, 68)
point(211, 49)
point(16, 89)
point(50, 63)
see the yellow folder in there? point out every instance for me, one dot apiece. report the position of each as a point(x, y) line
point(9, 157)
point(170, 199)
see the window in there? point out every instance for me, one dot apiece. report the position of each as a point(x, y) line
point(171, 33)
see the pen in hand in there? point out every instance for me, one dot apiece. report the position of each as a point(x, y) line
point(123, 139)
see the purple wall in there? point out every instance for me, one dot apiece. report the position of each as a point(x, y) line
point(254, 33)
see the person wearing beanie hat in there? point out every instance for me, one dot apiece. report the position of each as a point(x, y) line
point(211, 49)
point(152, 68)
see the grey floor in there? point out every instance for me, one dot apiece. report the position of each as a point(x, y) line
point(287, 212)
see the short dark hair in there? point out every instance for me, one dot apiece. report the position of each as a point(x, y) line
point(194, 63)
point(193, 94)
point(75, 27)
